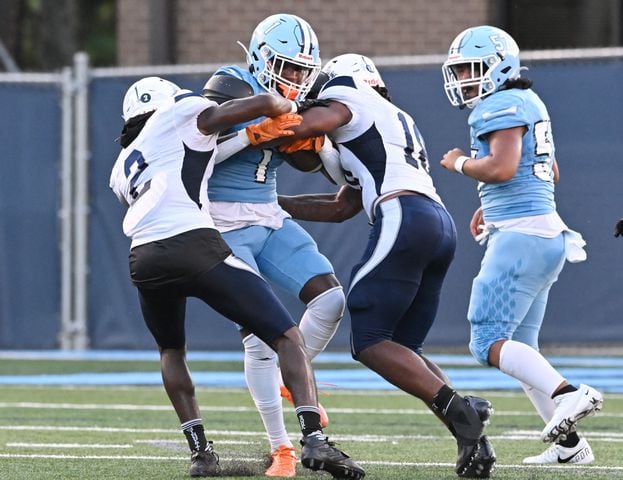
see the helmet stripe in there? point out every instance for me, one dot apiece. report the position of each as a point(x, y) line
point(306, 46)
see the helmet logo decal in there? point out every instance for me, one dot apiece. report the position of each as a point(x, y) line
point(145, 98)
point(498, 42)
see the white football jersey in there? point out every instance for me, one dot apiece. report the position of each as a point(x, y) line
point(162, 175)
point(380, 146)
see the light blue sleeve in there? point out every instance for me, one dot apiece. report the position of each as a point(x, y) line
point(503, 110)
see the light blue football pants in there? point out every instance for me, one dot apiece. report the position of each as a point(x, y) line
point(509, 295)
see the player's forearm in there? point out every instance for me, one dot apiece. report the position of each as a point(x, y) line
point(241, 110)
point(315, 207)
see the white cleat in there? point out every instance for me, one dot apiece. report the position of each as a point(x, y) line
point(581, 454)
point(571, 407)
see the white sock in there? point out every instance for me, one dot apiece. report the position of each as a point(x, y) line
point(524, 363)
point(543, 404)
point(262, 376)
point(321, 319)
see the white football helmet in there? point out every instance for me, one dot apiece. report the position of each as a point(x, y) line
point(489, 55)
point(147, 95)
point(354, 65)
point(280, 40)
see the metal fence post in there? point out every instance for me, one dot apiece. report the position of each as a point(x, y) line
point(80, 339)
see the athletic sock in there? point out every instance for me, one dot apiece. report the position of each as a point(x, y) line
point(262, 375)
point(565, 389)
point(527, 365)
point(195, 436)
point(543, 404)
point(571, 441)
point(464, 422)
point(309, 419)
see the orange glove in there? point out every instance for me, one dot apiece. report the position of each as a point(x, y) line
point(312, 143)
point(271, 128)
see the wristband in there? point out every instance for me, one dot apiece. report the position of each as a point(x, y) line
point(293, 106)
point(459, 162)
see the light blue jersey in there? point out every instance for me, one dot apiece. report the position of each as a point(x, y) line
point(531, 190)
point(250, 175)
point(243, 201)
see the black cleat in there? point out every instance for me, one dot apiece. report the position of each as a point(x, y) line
point(482, 406)
point(476, 461)
point(204, 464)
point(320, 454)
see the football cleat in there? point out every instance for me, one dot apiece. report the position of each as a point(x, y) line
point(204, 464)
point(320, 454)
point(570, 408)
point(581, 454)
point(284, 463)
point(324, 418)
point(483, 407)
point(478, 462)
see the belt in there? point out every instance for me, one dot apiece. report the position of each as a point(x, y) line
point(399, 193)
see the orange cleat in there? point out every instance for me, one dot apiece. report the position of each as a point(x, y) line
point(284, 463)
point(324, 418)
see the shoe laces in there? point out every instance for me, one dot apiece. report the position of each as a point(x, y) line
point(201, 453)
point(284, 451)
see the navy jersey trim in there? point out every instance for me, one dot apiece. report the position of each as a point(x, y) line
point(370, 150)
point(182, 96)
point(193, 170)
point(343, 81)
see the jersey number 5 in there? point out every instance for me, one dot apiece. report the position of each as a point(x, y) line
point(544, 147)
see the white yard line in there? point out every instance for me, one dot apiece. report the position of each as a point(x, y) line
point(521, 435)
point(66, 445)
point(356, 411)
point(592, 468)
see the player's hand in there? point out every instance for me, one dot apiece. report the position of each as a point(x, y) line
point(618, 228)
point(449, 159)
point(313, 144)
point(271, 128)
point(477, 223)
point(303, 105)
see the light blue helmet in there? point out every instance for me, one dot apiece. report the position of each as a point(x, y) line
point(276, 41)
point(490, 54)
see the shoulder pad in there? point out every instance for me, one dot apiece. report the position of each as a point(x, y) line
point(223, 87)
point(321, 79)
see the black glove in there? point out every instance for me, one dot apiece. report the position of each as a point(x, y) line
point(303, 105)
point(618, 228)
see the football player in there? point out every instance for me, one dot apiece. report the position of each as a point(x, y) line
point(283, 58)
point(394, 290)
point(169, 141)
point(513, 159)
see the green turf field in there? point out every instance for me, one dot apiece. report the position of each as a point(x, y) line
point(130, 433)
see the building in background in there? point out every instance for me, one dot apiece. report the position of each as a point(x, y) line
point(206, 31)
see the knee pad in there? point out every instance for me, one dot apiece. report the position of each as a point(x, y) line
point(328, 307)
point(257, 349)
point(479, 346)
